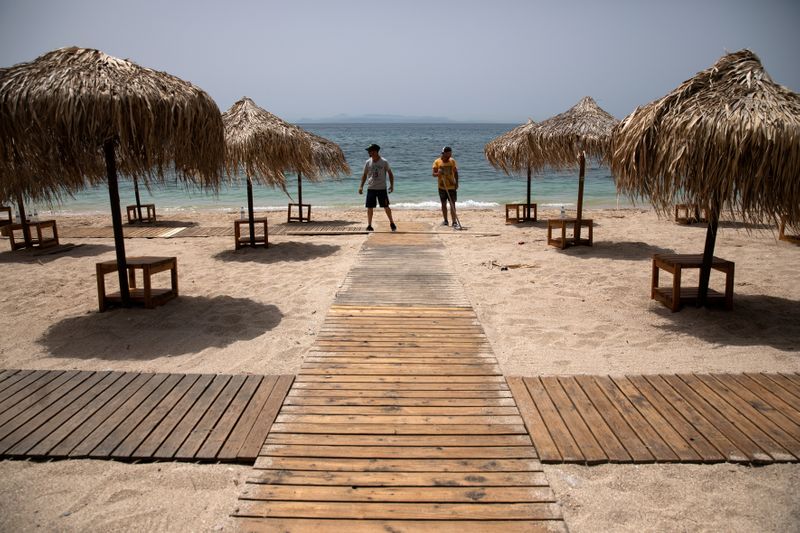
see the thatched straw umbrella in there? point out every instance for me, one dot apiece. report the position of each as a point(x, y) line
point(584, 129)
point(67, 116)
point(515, 151)
point(328, 159)
point(729, 135)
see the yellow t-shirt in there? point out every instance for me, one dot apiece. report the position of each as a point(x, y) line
point(447, 177)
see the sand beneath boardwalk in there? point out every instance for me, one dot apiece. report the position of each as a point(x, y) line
point(584, 310)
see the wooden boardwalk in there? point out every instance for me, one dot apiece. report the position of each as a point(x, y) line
point(129, 415)
point(170, 231)
point(687, 418)
point(399, 419)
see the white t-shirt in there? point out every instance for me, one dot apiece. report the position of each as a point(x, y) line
point(376, 173)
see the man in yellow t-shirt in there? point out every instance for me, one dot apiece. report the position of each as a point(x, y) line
point(445, 169)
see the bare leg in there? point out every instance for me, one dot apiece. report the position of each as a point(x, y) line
point(389, 214)
point(453, 211)
point(369, 216)
point(444, 210)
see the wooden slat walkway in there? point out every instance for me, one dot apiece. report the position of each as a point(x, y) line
point(172, 231)
point(399, 419)
point(129, 415)
point(688, 418)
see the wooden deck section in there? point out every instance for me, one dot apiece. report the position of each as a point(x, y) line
point(171, 231)
point(129, 415)
point(399, 419)
point(687, 418)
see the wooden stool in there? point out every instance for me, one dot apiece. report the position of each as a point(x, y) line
point(147, 295)
point(133, 213)
point(260, 239)
point(563, 241)
point(690, 213)
point(300, 217)
point(526, 213)
point(676, 296)
point(39, 240)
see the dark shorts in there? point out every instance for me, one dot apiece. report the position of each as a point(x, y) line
point(443, 194)
point(377, 197)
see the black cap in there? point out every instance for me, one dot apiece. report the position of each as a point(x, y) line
point(447, 149)
point(373, 147)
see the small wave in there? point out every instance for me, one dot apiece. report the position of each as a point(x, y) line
point(431, 204)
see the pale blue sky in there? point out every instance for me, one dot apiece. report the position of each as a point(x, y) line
point(490, 60)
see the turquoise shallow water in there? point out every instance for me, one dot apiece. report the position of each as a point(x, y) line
point(410, 149)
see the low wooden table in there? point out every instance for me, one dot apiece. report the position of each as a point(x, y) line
point(260, 239)
point(147, 295)
point(5, 221)
point(526, 213)
point(300, 217)
point(133, 213)
point(676, 296)
point(39, 239)
point(690, 213)
point(563, 241)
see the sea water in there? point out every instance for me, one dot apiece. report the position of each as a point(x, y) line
point(410, 150)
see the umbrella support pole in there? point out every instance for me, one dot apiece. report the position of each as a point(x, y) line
point(708, 255)
point(116, 219)
point(23, 218)
point(579, 215)
point(250, 218)
point(138, 200)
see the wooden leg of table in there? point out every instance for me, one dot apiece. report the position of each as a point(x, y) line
point(148, 297)
point(729, 288)
point(676, 289)
point(174, 275)
point(101, 289)
point(591, 234)
point(563, 235)
point(132, 278)
point(654, 281)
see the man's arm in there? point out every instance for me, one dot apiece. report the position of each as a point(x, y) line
point(391, 180)
point(363, 179)
point(455, 174)
point(435, 172)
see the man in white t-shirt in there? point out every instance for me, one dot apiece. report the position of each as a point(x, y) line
point(375, 170)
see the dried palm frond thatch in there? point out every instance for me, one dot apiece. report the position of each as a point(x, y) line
point(515, 150)
point(728, 136)
point(327, 156)
point(75, 114)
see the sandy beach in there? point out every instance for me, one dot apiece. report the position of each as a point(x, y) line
point(580, 311)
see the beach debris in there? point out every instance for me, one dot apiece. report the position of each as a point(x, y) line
point(493, 263)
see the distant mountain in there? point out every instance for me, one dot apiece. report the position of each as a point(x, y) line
point(376, 118)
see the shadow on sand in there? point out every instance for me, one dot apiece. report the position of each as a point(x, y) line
point(625, 250)
point(183, 326)
point(46, 255)
point(279, 252)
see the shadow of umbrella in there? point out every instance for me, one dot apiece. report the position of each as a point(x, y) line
point(77, 116)
point(45, 256)
point(729, 136)
point(286, 251)
point(190, 325)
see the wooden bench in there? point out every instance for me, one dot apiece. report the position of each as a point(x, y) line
point(38, 237)
point(524, 217)
point(563, 241)
point(147, 295)
point(133, 213)
point(690, 213)
point(300, 217)
point(260, 239)
point(675, 297)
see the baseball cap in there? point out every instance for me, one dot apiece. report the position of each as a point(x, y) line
point(447, 149)
point(373, 147)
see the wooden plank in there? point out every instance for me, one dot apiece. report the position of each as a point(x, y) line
point(402, 429)
point(775, 390)
point(183, 429)
point(230, 450)
point(135, 439)
point(27, 383)
point(194, 441)
point(403, 511)
point(529, 478)
point(397, 387)
point(296, 400)
point(397, 394)
point(704, 450)
point(787, 390)
point(29, 391)
point(266, 418)
point(568, 449)
point(157, 437)
point(402, 369)
point(770, 400)
point(406, 452)
point(750, 449)
point(47, 420)
point(329, 493)
point(216, 439)
point(12, 377)
point(655, 444)
point(397, 410)
point(726, 405)
point(399, 440)
point(397, 465)
point(283, 525)
point(674, 440)
point(61, 441)
point(546, 448)
point(396, 420)
point(115, 418)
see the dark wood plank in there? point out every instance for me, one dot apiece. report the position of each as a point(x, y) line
point(284, 525)
point(399, 420)
point(403, 429)
point(781, 387)
point(406, 452)
point(400, 479)
point(230, 450)
point(397, 410)
point(27, 380)
point(29, 391)
point(399, 440)
point(397, 465)
point(397, 494)
point(768, 397)
point(10, 377)
point(399, 402)
point(568, 449)
point(216, 439)
point(397, 394)
point(266, 418)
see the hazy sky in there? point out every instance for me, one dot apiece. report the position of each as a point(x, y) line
point(488, 60)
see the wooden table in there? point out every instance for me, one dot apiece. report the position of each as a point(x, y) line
point(526, 213)
point(133, 213)
point(690, 213)
point(38, 237)
point(6, 221)
point(563, 241)
point(260, 240)
point(147, 295)
point(676, 296)
point(301, 217)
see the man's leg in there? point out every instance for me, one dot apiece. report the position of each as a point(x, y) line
point(389, 214)
point(444, 210)
point(369, 216)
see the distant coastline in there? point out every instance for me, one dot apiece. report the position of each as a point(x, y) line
point(376, 119)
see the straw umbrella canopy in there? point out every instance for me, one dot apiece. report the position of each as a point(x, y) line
point(515, 151)
point(728, 136)
point(567, 138)
point(75, 116)
point(328, 159)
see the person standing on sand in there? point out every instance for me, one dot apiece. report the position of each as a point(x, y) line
point(446, 170)
point(375, 170)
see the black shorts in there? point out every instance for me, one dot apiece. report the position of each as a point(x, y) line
point(377, 197)
point(443, 194)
